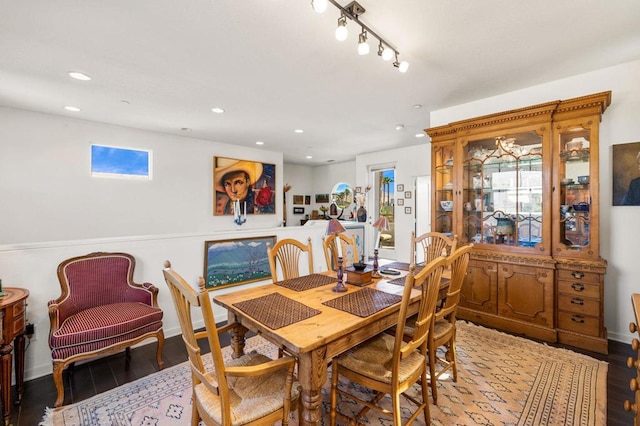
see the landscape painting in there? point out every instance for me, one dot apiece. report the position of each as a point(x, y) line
point(236, 261)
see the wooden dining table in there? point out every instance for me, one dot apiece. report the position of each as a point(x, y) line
point(307, 319)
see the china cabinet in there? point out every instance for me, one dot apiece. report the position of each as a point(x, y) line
point(522, 186)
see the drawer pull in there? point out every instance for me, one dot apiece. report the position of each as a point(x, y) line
point(577, 287)
point(577, 275)
point(578, 318)
point(577, 301)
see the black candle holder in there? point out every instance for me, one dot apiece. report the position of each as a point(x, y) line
point(339, 287)
point(375, 273)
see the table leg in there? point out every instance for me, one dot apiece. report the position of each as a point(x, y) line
point(19, 345)
point(5, 381)
point(237, 338)
point(312, 374)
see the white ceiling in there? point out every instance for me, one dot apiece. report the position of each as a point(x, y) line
point(275, 65)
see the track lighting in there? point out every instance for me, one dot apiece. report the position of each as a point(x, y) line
point(353, 11)
point(341, 31)
point(363, 46)
point(319, 5)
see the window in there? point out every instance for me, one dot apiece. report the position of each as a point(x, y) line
point(108, 161)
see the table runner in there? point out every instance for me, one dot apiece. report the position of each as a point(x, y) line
point(275, 310)
point(364, 302)
point(307, 282)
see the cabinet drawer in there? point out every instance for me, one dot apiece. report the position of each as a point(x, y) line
point(578, 288)
point(578, 323)
point(579, 305)
point(578, 276)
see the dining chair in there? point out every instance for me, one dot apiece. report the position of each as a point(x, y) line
point(388, 365)
point(286, 255)
point(443, 330)
point(252, 389)
point(431, 245)
point(331, 251)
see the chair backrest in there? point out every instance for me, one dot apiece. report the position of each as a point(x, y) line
point(431, 245)
point(185, 297)
point(98, 279)
point(286, 254)
point(458, 261)
point(348, 246)
point(428, 282)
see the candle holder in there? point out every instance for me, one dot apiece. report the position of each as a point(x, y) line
point(382, 224)
point(339, 287)
point(375, 273)
point(238, 218)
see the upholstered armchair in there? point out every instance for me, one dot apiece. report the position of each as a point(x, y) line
point(100, 311)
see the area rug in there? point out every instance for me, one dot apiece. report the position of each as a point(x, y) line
point(502, 380)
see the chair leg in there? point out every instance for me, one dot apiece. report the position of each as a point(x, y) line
point(195, 417)
point(432, 372)
point(58, 367)
point(425, 397)
point(160, 348)
point(397, 413)
point(334, 392)
point(454, 358)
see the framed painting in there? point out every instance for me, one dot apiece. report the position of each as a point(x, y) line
point(307, 200)
point(407, 210)
point(298, 199)
point(400, 201)
point(626, 174)
point(247, 184)
point(298, 210)
point(400, 187)
point(236, 261)
point(322, 198)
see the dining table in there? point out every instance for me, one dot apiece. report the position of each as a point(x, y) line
point(305, 318)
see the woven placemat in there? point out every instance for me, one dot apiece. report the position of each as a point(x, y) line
point(307, 282)
point(275, 310)
point(364, 302)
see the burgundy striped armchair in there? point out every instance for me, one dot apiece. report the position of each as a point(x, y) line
point(100, 311)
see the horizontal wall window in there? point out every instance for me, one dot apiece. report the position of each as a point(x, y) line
point(126, 163)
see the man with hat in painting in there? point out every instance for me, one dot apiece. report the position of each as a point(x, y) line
point(234, 180)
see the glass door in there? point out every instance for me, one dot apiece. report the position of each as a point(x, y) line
point(384, 205)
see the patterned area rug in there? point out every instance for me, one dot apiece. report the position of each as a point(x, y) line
point(502, 380)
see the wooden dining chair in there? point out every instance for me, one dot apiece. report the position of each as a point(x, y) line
point(387, 364)
point(286, 255)
point(431, 245)
point(349, 250)
point(252, 389)
point(443, 331)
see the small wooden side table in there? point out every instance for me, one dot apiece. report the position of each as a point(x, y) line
point(12, 328)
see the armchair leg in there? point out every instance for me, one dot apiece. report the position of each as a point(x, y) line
point(58, 367)
point(160, 348)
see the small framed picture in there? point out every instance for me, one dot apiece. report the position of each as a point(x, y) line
point(298, 199)
point(400, 187)
point(407, 194)
point(400, 201)
point(307, 200)
point(358, 189)
point(298, 210)
point(407, 210)
point(322, 198)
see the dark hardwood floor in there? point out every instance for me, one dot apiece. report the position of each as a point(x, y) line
point(98, 376)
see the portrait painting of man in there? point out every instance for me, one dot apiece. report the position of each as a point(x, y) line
point(626, 174)
point(243, 184)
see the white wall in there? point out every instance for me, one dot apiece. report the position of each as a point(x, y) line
point(301, 180)
point(620, 225)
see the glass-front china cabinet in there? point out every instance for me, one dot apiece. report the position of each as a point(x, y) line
point(522, 187)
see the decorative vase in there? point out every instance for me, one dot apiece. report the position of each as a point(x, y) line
point(362, 214)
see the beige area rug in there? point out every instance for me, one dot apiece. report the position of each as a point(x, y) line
point(502, 380)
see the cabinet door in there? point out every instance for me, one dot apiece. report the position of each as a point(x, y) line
point(480, 288)
point(526, 294)
point(575, 215)
point(443, 182)
point(503, 190)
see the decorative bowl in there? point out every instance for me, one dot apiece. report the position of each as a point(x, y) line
point(581, 207)
point(583, 180)
point(566, 181)
point(446, 205)
point(359, 266)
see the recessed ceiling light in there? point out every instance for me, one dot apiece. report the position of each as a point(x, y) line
point(420, 135)
point(72, 108)
point(259, 143)
point(186, 129)
point(79, 76)
point(417, 106)
point(299, 131)
point(309, 157)
point(217, 110)
point(124, 101)
point(399, 126)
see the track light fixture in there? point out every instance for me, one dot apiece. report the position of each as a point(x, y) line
point(353, 11)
